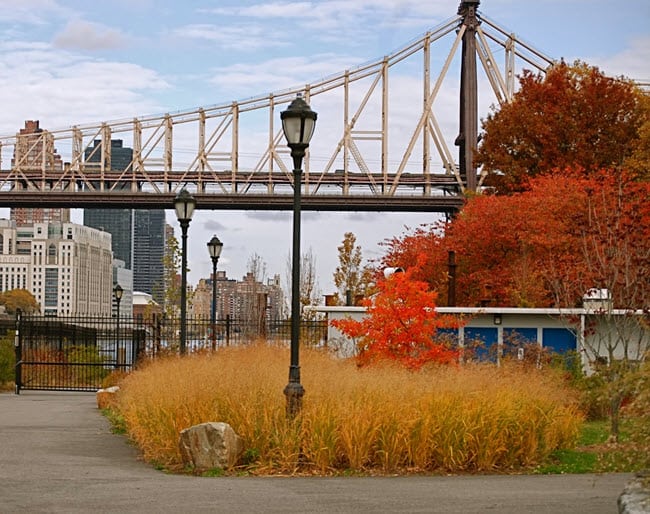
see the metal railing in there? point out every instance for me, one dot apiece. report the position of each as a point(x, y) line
point(77, 353)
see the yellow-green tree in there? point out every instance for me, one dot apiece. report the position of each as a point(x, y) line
point(19, 299)
point(350, 275)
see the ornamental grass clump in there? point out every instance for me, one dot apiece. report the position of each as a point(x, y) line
point(376, 419)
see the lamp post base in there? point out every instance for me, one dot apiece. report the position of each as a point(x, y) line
point(294, 392)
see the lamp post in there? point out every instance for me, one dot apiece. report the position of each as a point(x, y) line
point(298, 123)
point(184, 204)
point(214, 247)
point(117, 292)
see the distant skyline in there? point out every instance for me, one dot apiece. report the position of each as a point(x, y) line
point(67, 62)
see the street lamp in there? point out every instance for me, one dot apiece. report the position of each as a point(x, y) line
point(214, 247)
point(117, 292)
point(298, 123)
point(184, 204)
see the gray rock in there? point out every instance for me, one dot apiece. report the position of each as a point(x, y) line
point(635, 498)
point(210, 445)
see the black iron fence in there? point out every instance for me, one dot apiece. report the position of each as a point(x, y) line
point(77, 353)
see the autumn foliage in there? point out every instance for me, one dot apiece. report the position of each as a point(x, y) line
point(572, 116)
point(22, 299)
point(401, 325)
point(542, 247)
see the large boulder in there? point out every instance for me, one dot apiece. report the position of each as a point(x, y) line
point(635, 499)
point(210, 445)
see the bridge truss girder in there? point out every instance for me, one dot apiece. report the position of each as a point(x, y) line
point(203, 149)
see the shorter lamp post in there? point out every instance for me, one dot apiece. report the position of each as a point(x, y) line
point(184, 204)
point(298, 123)
point(117, 292)
point(214, 247)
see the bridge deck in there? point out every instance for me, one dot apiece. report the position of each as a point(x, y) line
point(406, 192)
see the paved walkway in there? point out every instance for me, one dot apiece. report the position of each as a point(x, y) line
point(57, 455)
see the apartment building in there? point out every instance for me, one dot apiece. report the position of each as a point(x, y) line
point(34, 151)
point(67, 267)
point(243, 300)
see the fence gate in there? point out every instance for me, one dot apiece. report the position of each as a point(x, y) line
point(73, 353)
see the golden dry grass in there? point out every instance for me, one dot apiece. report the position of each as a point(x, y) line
point(380, 419)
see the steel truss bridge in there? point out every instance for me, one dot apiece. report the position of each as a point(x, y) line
point(383, 152)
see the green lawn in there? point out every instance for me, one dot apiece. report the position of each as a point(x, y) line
point(595, 455)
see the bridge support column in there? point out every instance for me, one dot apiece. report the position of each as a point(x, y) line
point(468, 138)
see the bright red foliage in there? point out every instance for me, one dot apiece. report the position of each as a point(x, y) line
point(543, 247)
point(401, 325)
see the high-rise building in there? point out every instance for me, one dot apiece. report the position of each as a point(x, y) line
point(117, 222)
point(148, 252)
point(138, 234)
point(34, 151)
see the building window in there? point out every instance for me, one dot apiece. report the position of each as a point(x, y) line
point(51, 287)
point(51, 254)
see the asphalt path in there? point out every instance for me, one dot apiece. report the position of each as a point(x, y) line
point(57, 454)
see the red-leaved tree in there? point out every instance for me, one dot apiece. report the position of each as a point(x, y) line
point(401, 325)
point(529, 249)
point(570, 116)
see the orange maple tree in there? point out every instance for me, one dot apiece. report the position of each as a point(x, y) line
point(401, 325)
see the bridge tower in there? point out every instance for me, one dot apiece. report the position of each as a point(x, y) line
point(467, 139)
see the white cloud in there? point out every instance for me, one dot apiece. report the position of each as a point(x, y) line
point(63, 88)
point(338, 9)
point(336, 22)
point(84, 35)
point(247, 38)
point(278, 73)
point(633, 62)
point(31, 12)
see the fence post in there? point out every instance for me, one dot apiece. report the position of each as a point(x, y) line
point(157, 324)
point(19, 353)
point(227, 329)
point(135, 342)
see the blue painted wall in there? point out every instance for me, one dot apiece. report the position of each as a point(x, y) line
point(559, 340)
point(488, 336)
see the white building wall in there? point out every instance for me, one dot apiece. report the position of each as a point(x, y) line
point(14, 269)
point(67, 267)
point(123, 277)
point(594, 333)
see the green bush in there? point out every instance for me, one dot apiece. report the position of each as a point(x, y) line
point(593, 399)
point(639, 407)
point(89, 370)
point(7, 360)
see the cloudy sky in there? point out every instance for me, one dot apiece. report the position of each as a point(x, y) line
point(68, 62)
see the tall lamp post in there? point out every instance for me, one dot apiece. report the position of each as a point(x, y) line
point(184, 204)
point(298, 123)
point(117, 292)
point(214, 247)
